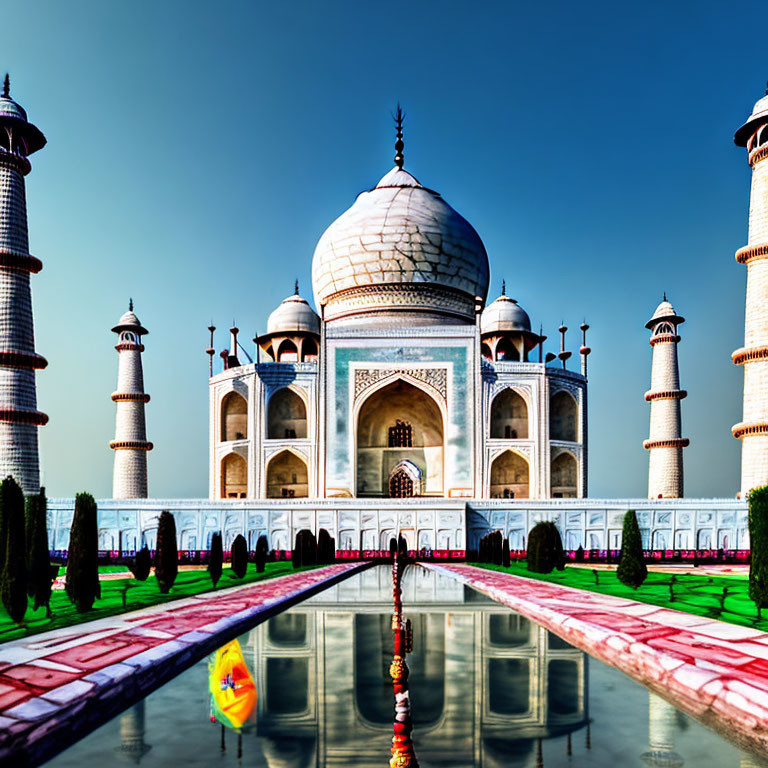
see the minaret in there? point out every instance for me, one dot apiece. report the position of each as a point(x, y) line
point(129, 480)
point(753, 429)
point(665, 471)
point(661, 735)
point(19, 417)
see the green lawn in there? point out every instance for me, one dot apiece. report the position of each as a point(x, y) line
point(698, 594)
point(139, 594)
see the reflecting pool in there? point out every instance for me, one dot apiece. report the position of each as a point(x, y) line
point(487, 687)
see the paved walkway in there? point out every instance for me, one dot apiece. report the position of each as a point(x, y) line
point(717, 672)
point(57, 686)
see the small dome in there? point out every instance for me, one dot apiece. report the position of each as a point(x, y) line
point(9, 108)
point(14, 115)
point(665, 311)
point(400, 247)
point(504, 315)
point(294, 315)
point(756, 119)
point(129, 322)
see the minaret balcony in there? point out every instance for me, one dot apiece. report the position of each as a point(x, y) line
point(668, 394)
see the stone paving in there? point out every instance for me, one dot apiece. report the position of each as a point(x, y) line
point(715, 671)
point(58, 686)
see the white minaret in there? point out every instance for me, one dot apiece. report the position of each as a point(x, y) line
point(130, 444)
point(665, 445)
point(19, 417)
point(753, 429)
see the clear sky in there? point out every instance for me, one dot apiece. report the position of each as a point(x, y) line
point(197, 151)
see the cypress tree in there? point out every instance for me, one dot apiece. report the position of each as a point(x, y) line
point(324, 547)
point(38, 556)
point(262, 549)
point(393, 548)
point(402, 546)
point(498, 548)
point(631, 570)
point(13, 579)
point(239, 556)
point(216, 559)
point(297, 550)
point(82, 558)
point(141, 565)
point(545, 548)
point(167, 553)
point(758, 542)
point(505, 560)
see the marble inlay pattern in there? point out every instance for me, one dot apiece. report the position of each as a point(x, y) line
point(437, 378)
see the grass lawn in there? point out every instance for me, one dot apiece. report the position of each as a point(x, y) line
point(698, 594)
point(139, 594)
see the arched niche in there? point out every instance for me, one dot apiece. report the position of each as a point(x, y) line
point(506, 350)
point(286, 416)
point(234, 417)
point(399, 423)
point(287, 352)
point(287, 476)
point(309, 350)
point(510, 477)
point(563, 417)
point(234, 477)
point(509, 416)
point(563, 477)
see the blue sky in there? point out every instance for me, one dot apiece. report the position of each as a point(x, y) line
point(197, 151)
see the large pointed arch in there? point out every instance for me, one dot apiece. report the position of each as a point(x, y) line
point(509, 415)
point(563, 417)
point(287, 475)
point(564, 476)
point(234, 417)
point(234, 477)
point(510, 476)
point(286, 415)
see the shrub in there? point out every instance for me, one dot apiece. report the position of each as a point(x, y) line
point(393, 547)
point(758, 542)
point(82, 560)
point(167, 553)
point(13, 578)
point(239, 556)
point(505, 554)
point(141, 565)
point(545, 548)
point(38, 559)
point(326, 552)
point(262, 549)
point(631, 570)
point(216, 559)
point(579, 555)
point(402, 546)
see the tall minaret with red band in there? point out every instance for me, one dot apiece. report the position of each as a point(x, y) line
point(129, 480)
point(19, 417)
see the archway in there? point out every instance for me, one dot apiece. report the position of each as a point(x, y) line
point(234, 417)
point(405, 480)
point(399, 423)
point(234, 477)
point(563, 478)
point(510, 477)
point(509, 416)
point(287, 352)
point(287, 476)
point(286, 416)
point(563, 417)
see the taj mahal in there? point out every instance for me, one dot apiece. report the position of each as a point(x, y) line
point(408, 401)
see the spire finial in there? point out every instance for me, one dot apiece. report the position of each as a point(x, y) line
point(503, 287)
point(665, 296)
point(7, 86)
point(296, 287)
point(130, 305)
point(399, 116)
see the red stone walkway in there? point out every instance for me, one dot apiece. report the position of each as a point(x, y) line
point(717, 672)
point(57, 686)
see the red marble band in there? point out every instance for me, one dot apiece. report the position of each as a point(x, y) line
point(752, 252)
point(119, 397)
point(746, 428)
point(20, 261)
point(662, 337)
point(748, 354)
point(23, 417)
point(584, 350)
point(672, 442)
point(136, 445)
point(124, 347)
point(669, 394)
point(11, 359)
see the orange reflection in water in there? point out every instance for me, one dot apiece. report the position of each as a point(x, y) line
point(233, 692)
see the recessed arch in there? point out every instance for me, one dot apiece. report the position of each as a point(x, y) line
point(287, 476)
point(506, 350)
point(563, 476)
point(234, 417)
point(399, 420)
point(563, 417)
point(509, 415)
point(309, 350)
point(234, 477)
point(287, 352)
point(286, 415)
point(510, 476)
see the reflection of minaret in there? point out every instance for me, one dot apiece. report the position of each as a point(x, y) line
point(661, 735)
point(132, 745)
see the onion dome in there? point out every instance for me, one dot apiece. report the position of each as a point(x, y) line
point(129, 322)
point(14, 116)
point(665, 311)
point(758, 117)
point(400, 247)
point(504, 315)
point(294, 315)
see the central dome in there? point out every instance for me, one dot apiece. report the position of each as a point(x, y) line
point(401, 248)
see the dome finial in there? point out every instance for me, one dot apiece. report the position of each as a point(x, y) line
point(296, 287)
point(503, 287)
point(130, 305)
point(7, 87)
point(665, 296)
point(399, 116)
